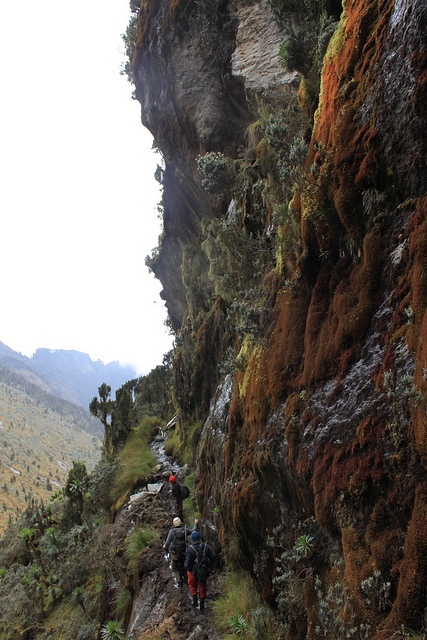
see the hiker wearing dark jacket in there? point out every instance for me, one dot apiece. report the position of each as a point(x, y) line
point(175, 544)
point(176, 493)
point(198, 554)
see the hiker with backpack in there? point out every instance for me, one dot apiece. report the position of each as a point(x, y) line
point(198, 562)
point(179, 493)
point(176, 545)
point(176, 493)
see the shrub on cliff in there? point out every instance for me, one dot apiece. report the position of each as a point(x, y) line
point(217, 173)
point(130, 38)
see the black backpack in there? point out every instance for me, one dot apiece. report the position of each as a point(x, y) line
point(185, 491)
point(202, 564)
point(178, 544)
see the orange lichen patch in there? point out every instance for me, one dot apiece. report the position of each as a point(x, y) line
point(284, 351)
point(369, 165)
point(339, 68)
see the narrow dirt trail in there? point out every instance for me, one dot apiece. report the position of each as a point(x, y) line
point(161, 610)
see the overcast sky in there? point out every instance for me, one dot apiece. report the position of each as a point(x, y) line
point(78, 199)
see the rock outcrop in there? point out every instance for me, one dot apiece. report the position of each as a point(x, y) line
point(321, 434)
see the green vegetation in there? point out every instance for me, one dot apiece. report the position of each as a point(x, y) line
point(148, 395)
point(122, 602)
point(217, 172)
point(129, 39)
point(112, 631)
point(136, 460)
point(56, 559)
point(40, 436)
point(139, 540)
point(257, 240)
point(238, 613)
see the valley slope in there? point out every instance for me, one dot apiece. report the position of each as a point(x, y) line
point(40, 437)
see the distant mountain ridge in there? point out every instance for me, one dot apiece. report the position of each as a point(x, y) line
point(70, 375)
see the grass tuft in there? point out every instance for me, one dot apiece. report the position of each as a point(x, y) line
point(136, 460)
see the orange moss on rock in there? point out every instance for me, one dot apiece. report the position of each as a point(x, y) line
point(410, 600)
point(351, 146)
point(416, 333)
point(358, 563)
point(338, 319)
point(273, 372)
point(344, 476)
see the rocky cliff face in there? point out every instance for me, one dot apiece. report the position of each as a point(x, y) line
point(316, 435)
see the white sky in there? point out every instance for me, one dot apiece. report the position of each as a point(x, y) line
point(78, 199)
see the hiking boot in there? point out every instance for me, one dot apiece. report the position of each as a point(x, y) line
point(202, 604)
point(195, 601)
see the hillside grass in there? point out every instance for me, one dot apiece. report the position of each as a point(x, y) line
point(38, 443)
point(136, 459)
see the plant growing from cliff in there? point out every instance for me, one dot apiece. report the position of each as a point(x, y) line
point(336, 612)
point(129, 38)
point(388, 382)
point(78, 597)
point(304, 545)
point(287, 240)
point(238, 612)
point(139, 540)
point(292, 564)
point(238, 599)
point(122, 602)
point(409, 315)
point(112, 631)
point(292, 53)
point(376, 591)
point(237, 623)
point(217, 173)
point(75, 489)
point(102, 408)
point(233, 255)
point(301, 22)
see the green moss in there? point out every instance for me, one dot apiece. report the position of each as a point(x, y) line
point(337, 40)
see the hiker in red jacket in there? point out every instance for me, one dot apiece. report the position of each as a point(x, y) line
point(176, 492)
point(198, 563)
